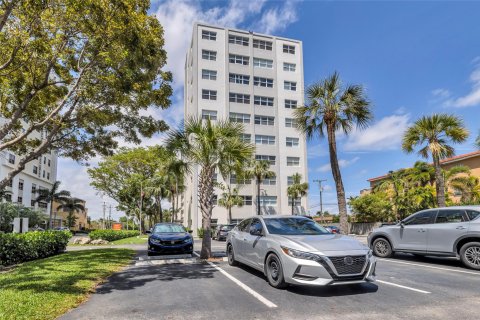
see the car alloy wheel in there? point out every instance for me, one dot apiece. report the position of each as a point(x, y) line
point(382, 248)
point(275, 272)
point(231, 256)
point(470, 255)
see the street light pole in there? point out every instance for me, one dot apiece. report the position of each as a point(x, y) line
point(320, 190)
point(103, 221)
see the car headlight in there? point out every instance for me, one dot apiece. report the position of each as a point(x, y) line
point(300, 254)
point(187, 240)
point(153, 240)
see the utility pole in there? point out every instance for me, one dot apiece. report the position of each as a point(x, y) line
point(110, 217)
point(141, 205)
point(103, 221)
point(320, 188)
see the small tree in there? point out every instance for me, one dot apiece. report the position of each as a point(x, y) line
point(51, 195)
point(229, 199)
point(260, 170)
point(297, 189)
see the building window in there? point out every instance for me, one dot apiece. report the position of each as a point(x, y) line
point(263, 101)
point(269, 181)
point(263, 63)
point(49, 162)
point(293, 161)
point(292, 142)
point(48, 175)
point(43, 173)
point(239, 78)
point(209, 94)
point(288, 49)
point(209, 35)
point(289, 67)
point(290, 123)
point(10, 183)
point(297, 202)
point(263, 82)
point(34, 188)
point(233, 39)
point(265, 120)
point(290, 104)
point(239, 98)
point(209, 114)
point(290, 85)
point(270, 159)
point(268, 200)
point(42, 205)
point(209, 55)
point(263, 139)
point(214, 199)
point(261, 44)
point(209, 74)
point(239, 117)
point(235, 180)
point(247, 200)
point(289, 180)
point(20, 184)
point(11, 158)
point(44, 160)
point(8, 197)
point(20, 199)
point(238, 59)
point(32, 203)
point(246, 137)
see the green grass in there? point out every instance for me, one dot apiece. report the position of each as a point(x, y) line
point(47, 288)
point(132, 240)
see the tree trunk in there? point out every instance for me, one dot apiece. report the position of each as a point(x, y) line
point(293, 206)
point(50, 219)
point(258, 195)
point(206, 206)
point(337, 176)
point(229, 215)
point(173, 208)
point(440, 183)
point(160, 208)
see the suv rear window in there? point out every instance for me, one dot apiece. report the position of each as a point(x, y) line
point(473, 214)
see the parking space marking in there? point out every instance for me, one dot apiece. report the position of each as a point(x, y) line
point(429, 266)
point(403, 287)
point(258, 296)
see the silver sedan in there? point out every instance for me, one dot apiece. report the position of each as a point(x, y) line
point(296, 250)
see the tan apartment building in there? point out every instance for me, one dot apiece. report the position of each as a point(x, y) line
point(470, 160)
point(60, 217)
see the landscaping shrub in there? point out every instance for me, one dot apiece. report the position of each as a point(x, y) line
point(20, 247)
point(112, 235)
point(201, 232)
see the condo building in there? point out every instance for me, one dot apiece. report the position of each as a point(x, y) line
point(257, 80)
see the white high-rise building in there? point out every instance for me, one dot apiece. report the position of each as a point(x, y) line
point(40, 173)
point(257, 80)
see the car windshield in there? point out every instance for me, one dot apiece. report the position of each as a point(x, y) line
point(226, 228)
point(168, 228)
point(294, 226)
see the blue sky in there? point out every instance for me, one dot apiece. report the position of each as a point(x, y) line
point(413, 58)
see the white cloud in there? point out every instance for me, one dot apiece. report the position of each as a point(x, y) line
point(277, 19)
point(342, 163)
point(473, 97)
point(386, 134)
point(441, 93)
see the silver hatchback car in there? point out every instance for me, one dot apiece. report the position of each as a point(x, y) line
point(450, 231)
point(296, 250)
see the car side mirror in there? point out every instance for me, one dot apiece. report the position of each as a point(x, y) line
point(148, 232)
point(190, 231)
point(255, 231)
point(402, 224)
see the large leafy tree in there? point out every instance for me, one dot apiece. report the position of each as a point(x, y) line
point(75, 77)
point(332, 107)
point(298, 189)
point(372, 207)
point(209, 146)
point(51, 195)
point(434, 136)
point(72, 206)
point(259, 170)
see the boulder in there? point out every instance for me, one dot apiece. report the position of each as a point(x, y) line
point(99, 241)
point(82, 240)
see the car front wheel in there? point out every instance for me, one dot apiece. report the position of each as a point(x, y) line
point(275, 272)
point(470, 255)
point(231, 256)
point(382, 248)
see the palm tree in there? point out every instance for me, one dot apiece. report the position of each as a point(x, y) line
point(229, 199)
point(394, 186)
point(477, 142)
point(209, 146)
point(158, 187)
point(176, 170)
point(51, 195)
point(434, 135)
point(260, 170)
point(71, 205)
point(332, 107)
point(421, 175)
point(297, 189)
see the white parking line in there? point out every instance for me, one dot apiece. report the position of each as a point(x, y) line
point(428, 266)
point(258, 296)
point(403, 287)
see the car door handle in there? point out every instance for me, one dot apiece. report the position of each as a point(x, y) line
point(461, 228)
point(244, 239)
point(421, 230)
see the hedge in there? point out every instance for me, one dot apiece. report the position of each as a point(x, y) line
point(112, 235)
point(20, 247)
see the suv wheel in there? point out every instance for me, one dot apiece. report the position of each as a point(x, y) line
point(275, 272)
point(470, 255)
point(231, 256)
point(382, 248)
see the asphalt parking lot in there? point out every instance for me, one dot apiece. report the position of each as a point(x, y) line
point(407, 288)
